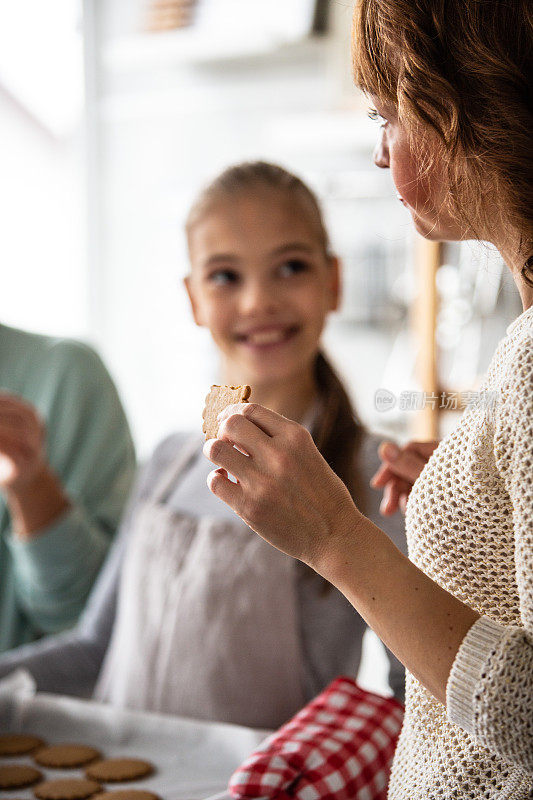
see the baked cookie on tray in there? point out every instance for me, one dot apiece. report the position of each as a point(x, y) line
point(16, 776)
point(66, 756)
point(119, 769)
point(126, 794)
point(18, 744)
point(67, 789)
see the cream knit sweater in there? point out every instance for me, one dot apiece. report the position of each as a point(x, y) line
point(470, 528)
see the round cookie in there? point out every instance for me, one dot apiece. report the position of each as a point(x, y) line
point(15, 776)
point(66, 789)
point(18, 744)
point(65, 756)
point(119, 769)
point(126, 794)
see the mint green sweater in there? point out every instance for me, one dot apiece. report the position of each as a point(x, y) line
point(45, 581)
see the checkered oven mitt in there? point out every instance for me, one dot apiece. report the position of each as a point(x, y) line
point(339, 747)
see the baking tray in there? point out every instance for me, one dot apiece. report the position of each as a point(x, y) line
point(193, 760)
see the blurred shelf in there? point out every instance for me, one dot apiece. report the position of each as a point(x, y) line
point(191, 47)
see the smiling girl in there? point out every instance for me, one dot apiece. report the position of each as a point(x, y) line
point(194, 614)
point(451, 81)
point(263, 282)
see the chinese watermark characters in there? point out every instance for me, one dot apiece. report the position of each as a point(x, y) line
point(413, 400)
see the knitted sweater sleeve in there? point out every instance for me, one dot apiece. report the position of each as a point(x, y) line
point(490, 688)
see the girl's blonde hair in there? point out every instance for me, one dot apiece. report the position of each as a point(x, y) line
point(337, 433)
point(463, 68)
point(250, 175)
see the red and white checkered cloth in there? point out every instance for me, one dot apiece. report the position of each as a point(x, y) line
point(339, 747)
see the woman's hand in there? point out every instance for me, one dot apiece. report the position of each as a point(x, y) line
point(34, 494)
point(288, 494)
point(400, 469)
point(285, 490)
point(22, 443)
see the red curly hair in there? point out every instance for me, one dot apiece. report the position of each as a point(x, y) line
point(461, 69)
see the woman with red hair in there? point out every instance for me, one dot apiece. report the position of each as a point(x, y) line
point(451, 83)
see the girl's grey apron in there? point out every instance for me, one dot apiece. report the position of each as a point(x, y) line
point(206, 623)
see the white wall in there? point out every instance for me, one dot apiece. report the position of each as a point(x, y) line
point(42, 227)
point(42, 241)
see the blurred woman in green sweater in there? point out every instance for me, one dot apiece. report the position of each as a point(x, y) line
point(67, 462)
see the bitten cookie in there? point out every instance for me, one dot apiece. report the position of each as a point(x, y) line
point(126, 794)
point(66, 755)
point(66, 789)
point(15, 776)
point(18, 744)
point(119, 769)
point(216, 401)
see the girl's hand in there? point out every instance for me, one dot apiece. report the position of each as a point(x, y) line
point(22, 443)
point(285, 490)
point(399, 471)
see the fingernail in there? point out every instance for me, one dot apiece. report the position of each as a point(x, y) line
point(391, 451)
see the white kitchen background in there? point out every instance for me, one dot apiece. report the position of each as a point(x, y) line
point(93, 195)
point(108, 130)
point(99, 166)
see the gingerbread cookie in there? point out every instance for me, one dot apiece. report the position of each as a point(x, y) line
point(119, 769)
point(67, 789)
point(66, 755)
point(18, 744)
point(15, 776)
point(126, 794)
point(216, 401)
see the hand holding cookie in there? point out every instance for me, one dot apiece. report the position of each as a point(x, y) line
point(285, 490)
point(216, 401)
